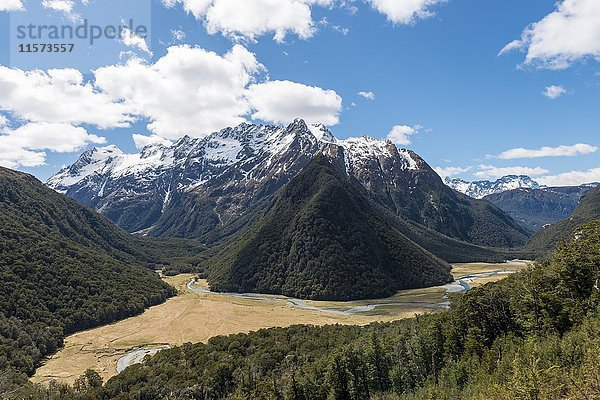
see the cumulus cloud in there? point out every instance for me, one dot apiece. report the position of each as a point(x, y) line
point(571, 178)
point(192, 91)
point(142, 141)
point(11, 5)
point(24, 146)
point(367, 95)
point(568, 34)
point(447, 172)
point(546, 151)
point(60, 96)
point(250, 19)
point(284, 101)
point(189, 91)
point(492, 172)
point(405, 11)
point(400, 134)
point(554, 92)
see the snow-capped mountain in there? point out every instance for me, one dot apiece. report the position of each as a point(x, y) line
point(480, 189)
point(232, 168)
point(207, 188)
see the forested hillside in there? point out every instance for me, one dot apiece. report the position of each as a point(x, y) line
point(322, 239)
point(534, 335)
point(64, 268)
point(550, 236)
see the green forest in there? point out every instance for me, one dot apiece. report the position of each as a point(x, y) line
point(549, 236)
point(322, 239)
point(534, 335)
point(64, 268)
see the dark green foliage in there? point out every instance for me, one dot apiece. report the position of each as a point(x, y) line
point(64, 268)
point(322, 239)
point(534, 335)
point(447, 248)
point(547, 238)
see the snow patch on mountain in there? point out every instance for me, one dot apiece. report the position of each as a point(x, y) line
point(480, 189)
point(239, 145)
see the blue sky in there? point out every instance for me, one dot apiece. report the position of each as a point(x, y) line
point(435, 74)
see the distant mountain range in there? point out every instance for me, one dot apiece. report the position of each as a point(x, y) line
point(480, 189)
point(529, 203)
point(209, 188)
point(535, 208)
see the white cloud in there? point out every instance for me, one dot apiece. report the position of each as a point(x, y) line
point(3, 121)
point(405, 11)
point(142, 141)
point(400, 134)
point(11, 5)
point(63, 6)
point(546, 151)
point(367, 95)
point(554, 92)
point(250, 19)
point(284, 101)
point(571, 178)
point(337, 28)
point(189, 91)
point(130, 39)
point(60, 96)
point(569, 34)
point(446, 172)
point(492, 172)
point(23, 146)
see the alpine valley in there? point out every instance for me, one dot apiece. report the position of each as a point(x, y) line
point(247, 215)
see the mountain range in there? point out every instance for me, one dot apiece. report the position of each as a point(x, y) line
point(209, 188)
point(480, 189)
point(530, 204)
point(536, 208)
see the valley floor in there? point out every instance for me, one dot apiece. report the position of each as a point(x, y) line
point(196, 315)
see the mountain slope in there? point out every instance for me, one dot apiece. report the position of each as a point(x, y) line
point(63, 268)
point(550, 236)
point(210, 188)
point(534, 208)
point(414, 191)
point(480, 189)
point(321, 239)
